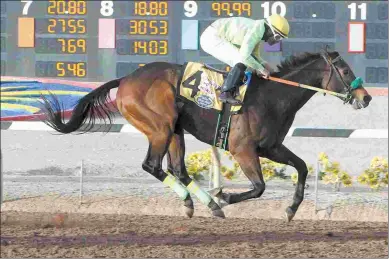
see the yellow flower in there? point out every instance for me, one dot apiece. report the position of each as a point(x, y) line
point(347, 182)
point(294, 177)
point(362, 179)
point(310, 170)
point(229, 174)
point(323, 156)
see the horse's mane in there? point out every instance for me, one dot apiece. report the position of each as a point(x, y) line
point(293, 62)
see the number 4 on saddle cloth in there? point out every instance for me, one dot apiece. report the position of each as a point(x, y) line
point(200, 84)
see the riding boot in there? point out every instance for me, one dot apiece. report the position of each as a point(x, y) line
point(233, 80)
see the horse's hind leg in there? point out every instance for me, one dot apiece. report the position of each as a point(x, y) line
point(159, 133)
point(159, 140)
point(176, 164)
point(151, 109)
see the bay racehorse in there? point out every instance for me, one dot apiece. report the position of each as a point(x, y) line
point(147, 99)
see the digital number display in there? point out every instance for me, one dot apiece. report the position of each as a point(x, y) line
point(60, 46)
point(376, 75)
point(3, 66)
point(73, 7)
point(60, 69)
point(204, 25)
point(142, 27)
point(61, 26)
point(295, 48)
point(382, 11)
point(3, 7)
point(151, 8)
point(142, 47)
point(125, 68)
point(152, 30)
point(228, 9)
point(376, 51)
point(3, 43)
point(304, 10)
point(3, 24)
point(323, 30)
point(377, 31)
point(121, 9)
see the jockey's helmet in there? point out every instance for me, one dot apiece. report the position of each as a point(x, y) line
point(279, 24)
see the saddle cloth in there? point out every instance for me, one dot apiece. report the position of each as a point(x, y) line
point(201, 85)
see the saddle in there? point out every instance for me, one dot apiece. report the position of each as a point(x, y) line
point(200, 84)
point(223, 72)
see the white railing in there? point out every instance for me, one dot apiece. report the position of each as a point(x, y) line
point(215, 172)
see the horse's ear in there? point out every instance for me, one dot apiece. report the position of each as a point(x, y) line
point(324, 52)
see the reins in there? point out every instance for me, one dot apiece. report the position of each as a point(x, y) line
point(348, 88)
point(292, 83)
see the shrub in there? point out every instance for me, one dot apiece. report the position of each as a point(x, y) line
point(270, 169)
point(376, 176)
point(198, 163)
point(294, 175)
point(332, 174)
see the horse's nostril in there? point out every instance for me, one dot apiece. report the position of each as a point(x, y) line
point(367, 98)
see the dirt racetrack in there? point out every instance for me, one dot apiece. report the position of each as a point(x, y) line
point(37, 228)
point(165, 236)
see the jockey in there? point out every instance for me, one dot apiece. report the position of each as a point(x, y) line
point(236, 42)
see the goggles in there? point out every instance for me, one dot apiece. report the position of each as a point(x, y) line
point(276, 35)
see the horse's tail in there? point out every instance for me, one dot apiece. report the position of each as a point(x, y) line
point(92, 106)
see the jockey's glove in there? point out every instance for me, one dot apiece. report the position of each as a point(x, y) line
point(263, 73)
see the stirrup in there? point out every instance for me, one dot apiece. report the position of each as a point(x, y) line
point(227, 97)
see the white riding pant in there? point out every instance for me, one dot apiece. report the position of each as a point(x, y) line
point(219, 48)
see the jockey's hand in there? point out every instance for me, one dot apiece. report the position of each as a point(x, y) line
point(264, 73)
point(269, 68)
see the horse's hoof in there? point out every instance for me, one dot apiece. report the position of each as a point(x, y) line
point(216, 192)
point(189, 212)
point(218, 213)
point(289, 214)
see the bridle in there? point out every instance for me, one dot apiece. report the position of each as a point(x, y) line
point(348, 89)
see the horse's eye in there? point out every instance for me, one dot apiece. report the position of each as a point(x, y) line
point(345, 72)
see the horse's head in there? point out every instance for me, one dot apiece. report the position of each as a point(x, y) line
point(339, 78)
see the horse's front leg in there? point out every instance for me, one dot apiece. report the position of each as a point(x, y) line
point(282, 154)
point(245, 154)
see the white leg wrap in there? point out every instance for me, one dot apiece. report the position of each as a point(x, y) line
point(176, 186)
point(202, 195)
